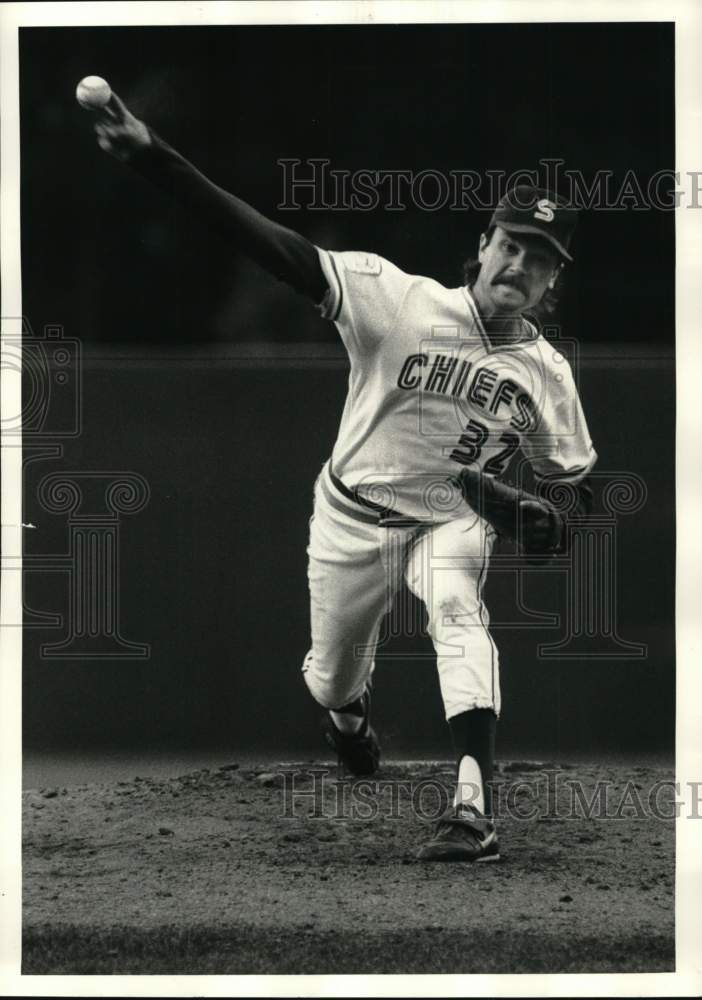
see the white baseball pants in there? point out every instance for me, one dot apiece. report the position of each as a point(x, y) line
point(355, 569)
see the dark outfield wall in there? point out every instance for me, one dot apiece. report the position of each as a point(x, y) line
point(212, 569)
point(213, 574)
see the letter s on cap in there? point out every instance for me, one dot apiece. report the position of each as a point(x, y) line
point(545, 210)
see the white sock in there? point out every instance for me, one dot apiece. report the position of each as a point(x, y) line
point(469, 787)
point(345, 722)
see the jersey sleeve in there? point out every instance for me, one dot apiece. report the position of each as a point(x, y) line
point(560, 447)
point(282, 252)
point(365, 295)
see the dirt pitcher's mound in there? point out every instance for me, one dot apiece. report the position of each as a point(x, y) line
point(293, 869)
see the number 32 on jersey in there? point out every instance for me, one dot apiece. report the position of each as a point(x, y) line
point(472, 442)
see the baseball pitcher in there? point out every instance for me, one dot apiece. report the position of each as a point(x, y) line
point(446, 385)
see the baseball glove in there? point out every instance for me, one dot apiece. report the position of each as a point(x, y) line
point(536, 526)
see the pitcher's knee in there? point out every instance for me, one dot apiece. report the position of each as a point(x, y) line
point(331, 686)
point(452, 611)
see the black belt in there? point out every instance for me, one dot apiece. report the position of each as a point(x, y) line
point(384, 516)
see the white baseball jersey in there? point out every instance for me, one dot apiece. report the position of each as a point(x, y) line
point(429, 393)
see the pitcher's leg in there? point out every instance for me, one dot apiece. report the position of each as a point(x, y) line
point(351, 588)
point(446, 570)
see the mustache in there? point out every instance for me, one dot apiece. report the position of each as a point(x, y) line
point(512, 282)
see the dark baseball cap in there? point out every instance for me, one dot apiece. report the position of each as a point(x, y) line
point(527, 209)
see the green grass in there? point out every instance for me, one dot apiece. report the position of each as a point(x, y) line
point(244, 949)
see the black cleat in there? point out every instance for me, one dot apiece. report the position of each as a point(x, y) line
point(462, 834)
point(358, 752)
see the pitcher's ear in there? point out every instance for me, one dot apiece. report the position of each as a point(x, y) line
point(554, 276)
point(481, 246)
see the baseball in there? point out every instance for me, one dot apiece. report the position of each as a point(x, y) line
point(93, 93)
